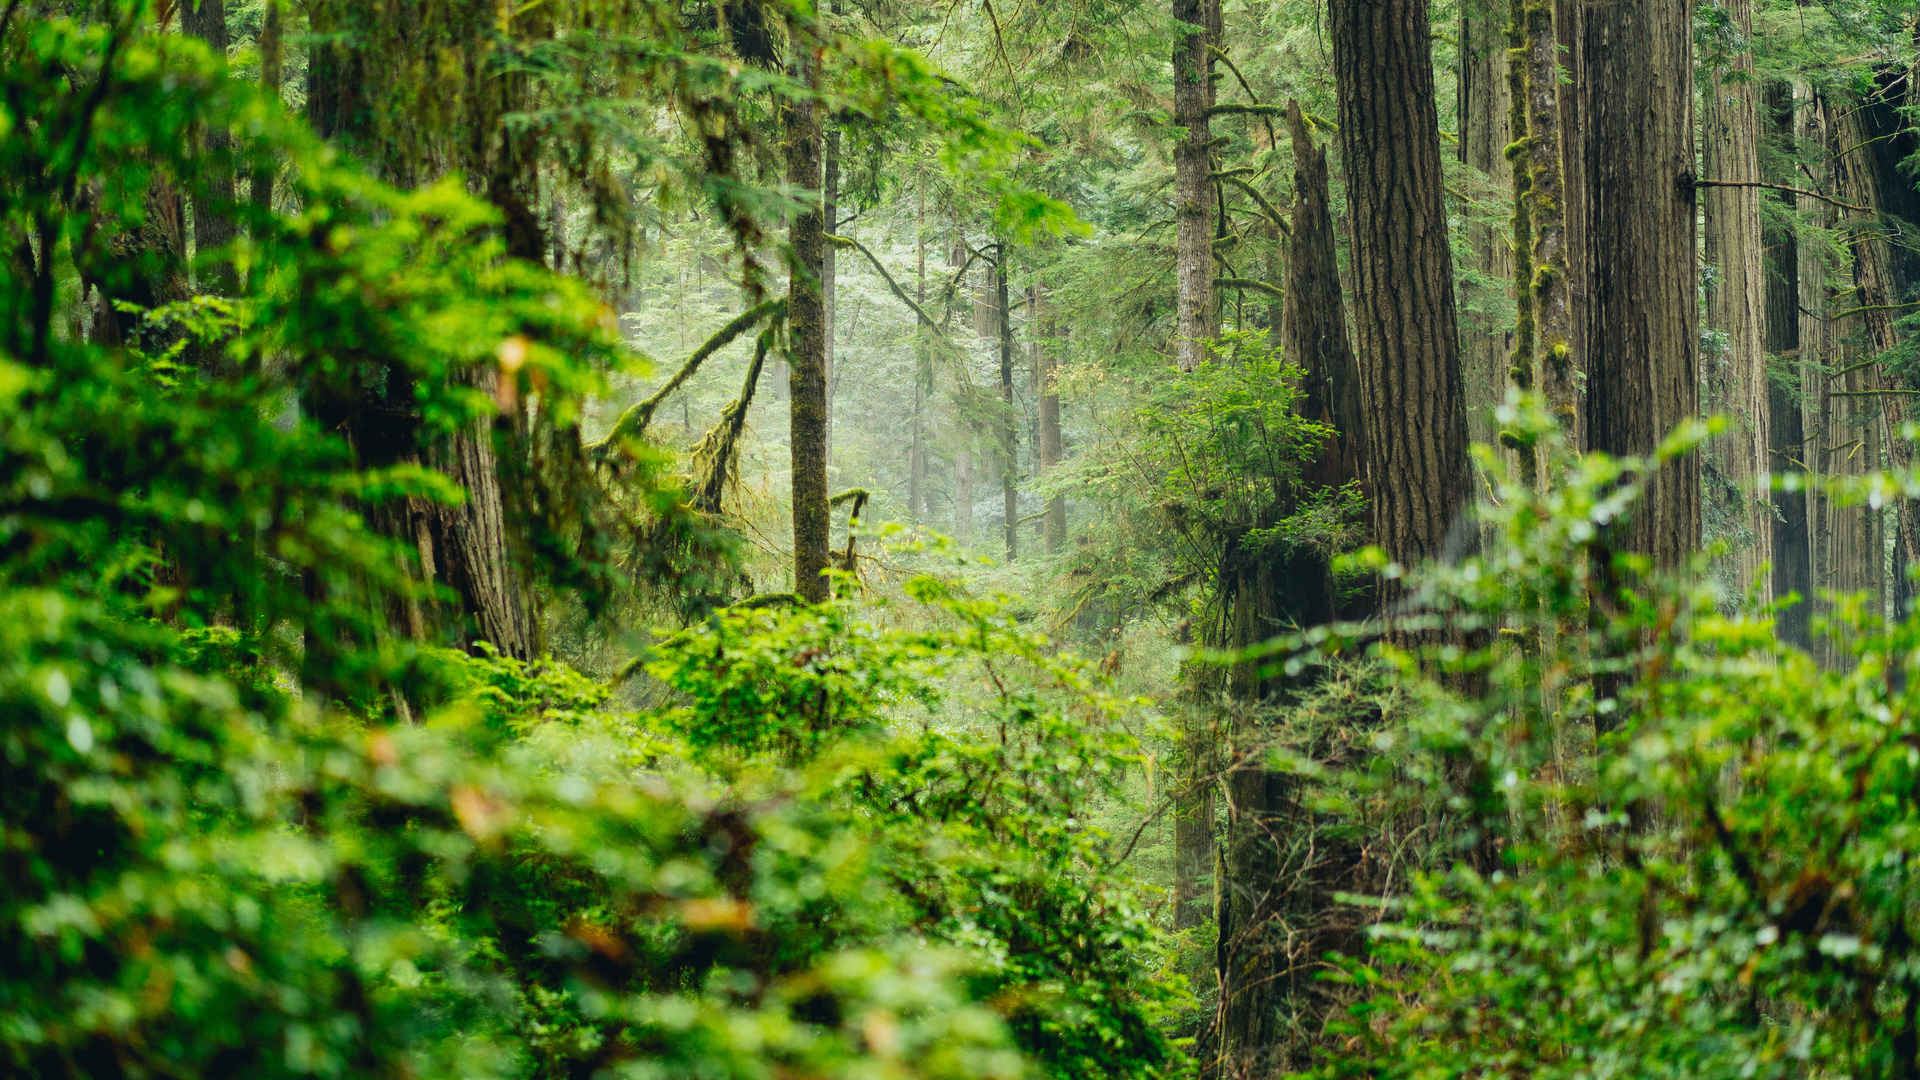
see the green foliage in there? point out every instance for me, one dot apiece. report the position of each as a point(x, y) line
point(980, 761)
point(1717, 887)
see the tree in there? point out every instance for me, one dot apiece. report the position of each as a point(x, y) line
point(1640, 331)
point(1196, 22)
point(806, 327)
point(1404, 323)
point(1737, 299)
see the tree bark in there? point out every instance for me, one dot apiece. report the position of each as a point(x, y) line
point(1009, 423)
point(213, 222)
point(1640, 326)
point(1486, 329)
point(1198, 319)
point(1736, 308)
point(1048, 446)
point(271, 47)
point(806, 331)
point(922, 366)
point(1415, 428)
point(1875, 293)
point(1842, 432)
point(1785, 427)
point(1556, 363)
point(830, 269)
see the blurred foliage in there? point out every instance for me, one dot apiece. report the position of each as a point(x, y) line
point(224, 855)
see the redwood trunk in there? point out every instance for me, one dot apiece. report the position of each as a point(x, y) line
point(1415, 430)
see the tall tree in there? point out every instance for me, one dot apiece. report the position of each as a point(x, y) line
point(1009, 426)
point(272, 46)
point(1048, 446)
point(1786, 429)
point(1641, 333)
point(1196, 22)
point(213, 222)
point(1484, 104)
point(1415, 429)
point(806, 330)
point(1736, 299)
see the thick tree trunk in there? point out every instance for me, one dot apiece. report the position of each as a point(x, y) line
point(1736, 305)
point(1875, 295)
point(1640, 326)
point(1198, 318)
point(1785, 427)
point(213, 222)
point(1415, 429)
point(1485, 328)
point(807, 343)
point(1842, 431)
point(271, 46)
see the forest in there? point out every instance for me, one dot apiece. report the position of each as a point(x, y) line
point(962, 540)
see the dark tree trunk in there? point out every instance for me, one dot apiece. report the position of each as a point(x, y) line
point(271, 47)
point(1875, 294)
point(1785, 430)
point(1640, 325)
point(1415, 428)
point(807, 350)
point(1276, 894)
point(213, 222)
point(1198, 319)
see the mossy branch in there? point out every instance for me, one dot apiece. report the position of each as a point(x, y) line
point(1250, 283)
point(849, 242)
point(633, 423)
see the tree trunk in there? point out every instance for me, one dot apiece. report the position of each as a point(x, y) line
point(1415, 429)
point(963, 485)
point(1048, 446)
point(1009, 423)
point(271, 46)
point(807, 343)
point(1736, 375)
point(1785, 427)
point(829, 271)
point(1640, 326)
point(1198, 318)
point(1842, 431)
point(1556, 363)
point(922, 366)
point(1275, 894)
point(1486, 329)
point(213, 222)
point(1875, 295)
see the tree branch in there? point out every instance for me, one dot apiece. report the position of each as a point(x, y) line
point(848, 241)
point(633, 423)
point(1783, 187)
